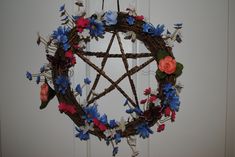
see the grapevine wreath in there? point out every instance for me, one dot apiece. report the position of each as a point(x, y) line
point(71, 39)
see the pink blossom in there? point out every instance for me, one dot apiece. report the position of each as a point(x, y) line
point(147, 91)
point(152, 99)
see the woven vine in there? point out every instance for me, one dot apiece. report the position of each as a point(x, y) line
point(69, 40)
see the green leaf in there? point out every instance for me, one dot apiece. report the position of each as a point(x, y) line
point(179, 68)
point(162, 54)
point(160, 75)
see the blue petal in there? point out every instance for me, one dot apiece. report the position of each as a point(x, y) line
point(129, 111)
point(79, 89)
point(38, 79)
point(29, 76)
point(62, 7)
point(112, 123)
point(104, 119)
point(115, 151)
point(117, 138)
point(126, 102)
point(87, 81)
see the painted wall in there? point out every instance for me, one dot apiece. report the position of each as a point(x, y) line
point(200, 128)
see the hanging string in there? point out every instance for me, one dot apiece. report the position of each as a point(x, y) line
point(102, 4)
point(118, 6)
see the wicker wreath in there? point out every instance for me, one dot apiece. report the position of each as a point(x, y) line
point(71, 38)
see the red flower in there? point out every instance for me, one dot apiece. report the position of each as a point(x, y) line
point(67, 108)
point(161, 128)
point(143, 101)
point(167, 112)
point(82, 24)
point(140, 17)
point(97, 123)
point(152, 99)
point(173, 116)
point(147, 91)
point(69, 54)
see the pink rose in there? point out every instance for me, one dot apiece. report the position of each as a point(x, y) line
point(44, 92)
point(167, 65)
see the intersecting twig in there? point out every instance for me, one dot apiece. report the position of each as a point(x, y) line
point(105, 76)
point(104, 54)
point(130, 72)
point(124, 59)
point(102, 67)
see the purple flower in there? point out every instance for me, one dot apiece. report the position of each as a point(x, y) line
point(110, 18)
point(130, 20)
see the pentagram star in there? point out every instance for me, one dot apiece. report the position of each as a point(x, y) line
point(114, 84)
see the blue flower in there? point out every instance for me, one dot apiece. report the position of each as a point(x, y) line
point(167, 87)
point(129, 111)
point(79, 89)
point(104, 119)
point(174, 103)
point(171, 97)
point(38, 79)
point(87, 81)
point(91, 112)
point(62, 83)
point(96, 28)
point(159, 30)
point(143, 130)
point(110, 18)
point(126, 102)
point(29, 76)
point(112, 124)
point(117, 138)
point(81, 135)
point(60, 35)
point(62, 8)
point(115, 151)
point(138, 111)
point(42, 69)
point(148, 28)
point(130, 20)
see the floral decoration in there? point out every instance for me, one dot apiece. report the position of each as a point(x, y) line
point(71, 38)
